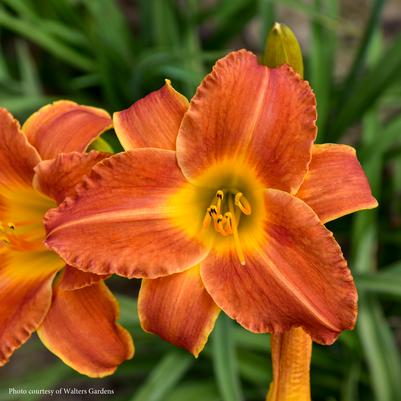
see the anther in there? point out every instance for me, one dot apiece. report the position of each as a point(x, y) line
point(5, 240)
point(242, 203)
point(214, 212)
point(11, 226)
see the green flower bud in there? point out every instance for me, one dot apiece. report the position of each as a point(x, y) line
point(282, 47)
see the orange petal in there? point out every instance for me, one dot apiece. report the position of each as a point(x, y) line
point(291, 355)
point(178, 309)
point(335, 184)
point(81, 330)
point(122, 207)
point(65, 126)
point(258, 115)
point(152, 121)
point(57, 177)
point(17, 156)
point(295, 276)
point(74, 279)
point(25, 295)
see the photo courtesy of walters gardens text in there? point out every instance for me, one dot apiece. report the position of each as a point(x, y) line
point(66, 391)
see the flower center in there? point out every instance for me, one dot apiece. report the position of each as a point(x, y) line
point(225, 213)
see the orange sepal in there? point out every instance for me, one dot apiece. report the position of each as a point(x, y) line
point(123, 208)
point(178, 309)
point(17, 157)
point(295, 276)
point(25, 295)
point(65, 126)
point(81, 329)
point(335, 184)
point(245, 111)
point(57, 177)
point(291, 356)
point(152, 121)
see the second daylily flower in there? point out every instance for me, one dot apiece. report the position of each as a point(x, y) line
point(74, 312)
point(221, 204)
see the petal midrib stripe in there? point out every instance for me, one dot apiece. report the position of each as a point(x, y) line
point(297, 293)
point(117, 216)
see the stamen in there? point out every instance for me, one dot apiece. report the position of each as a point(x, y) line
point(237, 244)
point(216, 222)
point(234, 227)
point(219, 226)
point(242, 203)
point(227, 225)
point(208, 218)
point(219, 196)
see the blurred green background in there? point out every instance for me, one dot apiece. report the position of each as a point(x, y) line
point(110, 53)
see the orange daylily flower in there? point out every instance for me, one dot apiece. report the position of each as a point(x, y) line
point(73, 312)
point(221, 204)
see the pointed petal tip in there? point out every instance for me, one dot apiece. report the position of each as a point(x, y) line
point(152, 121)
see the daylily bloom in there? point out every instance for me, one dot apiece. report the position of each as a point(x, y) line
point(73, 312)
point(221, 204)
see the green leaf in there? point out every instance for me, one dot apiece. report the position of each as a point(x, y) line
point(230, 19)
point(321, 60)
point(46, 378)
point(164, 377)
point(225, 361)
point(267, 14)
point(351, 382)
point(128, 310)
point(34, 33)
point(246, 339)
point(24, 105)
point(380, 283)
point(361, 54)
point(380, 350)
point(255, 368)
point(369, 89)
point(195, 391)
point(30, 82)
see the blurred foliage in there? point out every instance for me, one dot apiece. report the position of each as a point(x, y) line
point(109, 53)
